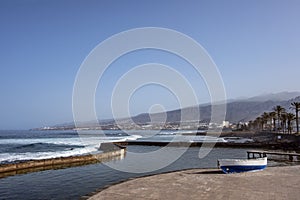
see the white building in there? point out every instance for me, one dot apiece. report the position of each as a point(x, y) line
point(226, 124)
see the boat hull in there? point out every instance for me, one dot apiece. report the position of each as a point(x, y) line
point(238, 166)
point(239, 169)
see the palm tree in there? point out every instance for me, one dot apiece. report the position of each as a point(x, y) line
point(259, 123)
point(273, 118)
point(265, 118)
point(278, 109)
point(256, 123)
point(290, 117)
point(283, 118)
point(250, 124)
point(296, 107)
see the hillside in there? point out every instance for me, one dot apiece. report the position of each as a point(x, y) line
point(237, 111)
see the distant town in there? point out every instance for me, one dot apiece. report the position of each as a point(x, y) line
point(189, 125)
point(252, 114)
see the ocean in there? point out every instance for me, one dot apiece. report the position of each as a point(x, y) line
point(34, 145)
point(75, 182)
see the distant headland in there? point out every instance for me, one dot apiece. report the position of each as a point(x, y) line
point(255, 113)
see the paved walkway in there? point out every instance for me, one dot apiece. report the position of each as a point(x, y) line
point(272, 183)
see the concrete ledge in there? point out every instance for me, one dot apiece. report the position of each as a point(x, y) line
point(272, 183)
point(193, 144)
point(268, 145)
point(45, 164)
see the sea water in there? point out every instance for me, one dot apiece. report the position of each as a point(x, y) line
point(74, 182)
point(18, 146)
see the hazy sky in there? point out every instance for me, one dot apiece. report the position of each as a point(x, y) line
point(255, 44)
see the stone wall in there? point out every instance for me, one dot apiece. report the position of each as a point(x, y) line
point(62, 161)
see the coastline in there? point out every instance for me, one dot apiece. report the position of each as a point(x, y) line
point(95, 176)
point(268, 140)
point(272, 183)
point(261, 140)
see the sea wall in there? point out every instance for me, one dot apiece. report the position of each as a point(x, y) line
point(61, 162)
point(267, 145)
point(193, 144)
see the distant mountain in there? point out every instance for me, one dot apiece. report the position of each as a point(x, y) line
point(282, 96)
point(237, 111)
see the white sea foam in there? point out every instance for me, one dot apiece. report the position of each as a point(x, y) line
point(11, 157)
point(85, 145)
point(70, 141)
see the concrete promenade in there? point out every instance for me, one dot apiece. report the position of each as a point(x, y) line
point(272, 183)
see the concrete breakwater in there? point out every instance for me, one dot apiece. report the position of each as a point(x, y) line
point(260, 140)
point(193, 144)
point(109, 152)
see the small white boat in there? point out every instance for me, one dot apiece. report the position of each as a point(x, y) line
point(242, 165)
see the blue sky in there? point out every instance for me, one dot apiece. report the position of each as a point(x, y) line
point(255, 44)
